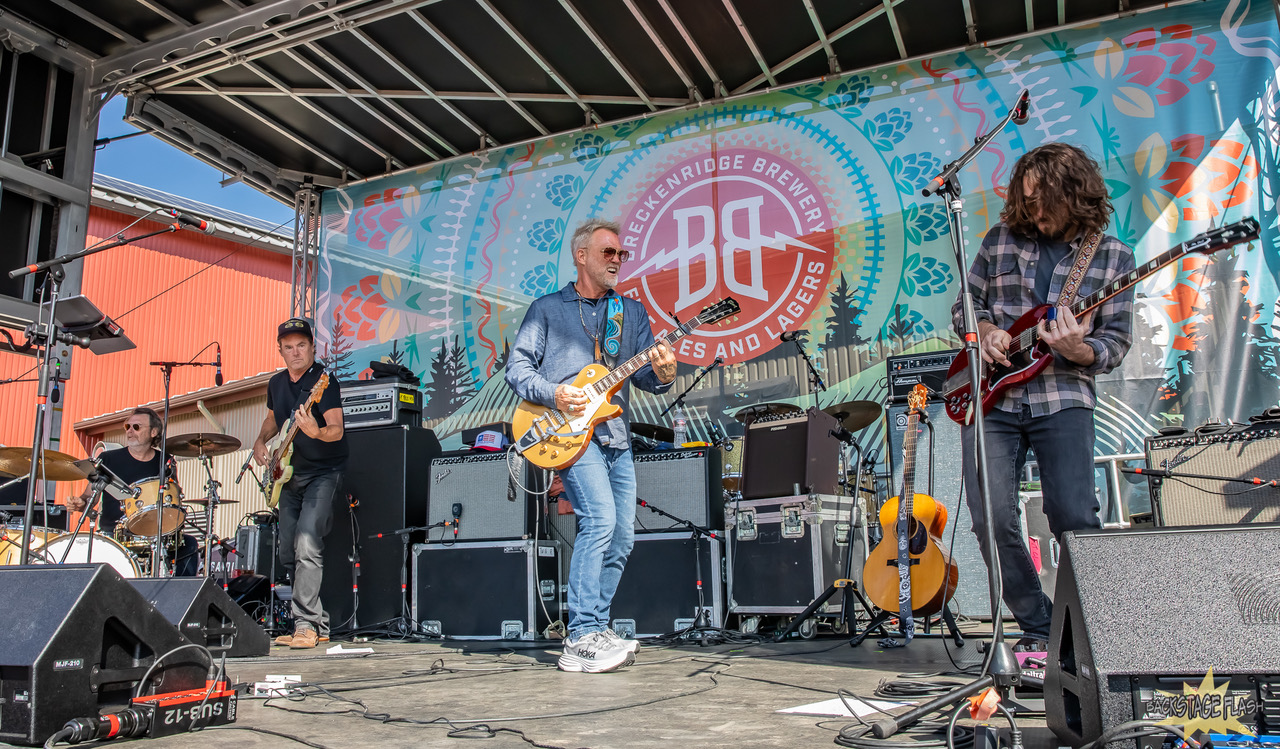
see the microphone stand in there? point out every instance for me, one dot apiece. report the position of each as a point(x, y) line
point(700, 621)
point(1001, 669)
point(815, 380)
point(680, 398)
point(45, 333)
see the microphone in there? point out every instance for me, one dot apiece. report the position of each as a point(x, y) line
point(790, 335)
point(457, 518)
point(217, 377)
point(244, 468)
point(195, 223)
point(719, 360)
point(1022, 110)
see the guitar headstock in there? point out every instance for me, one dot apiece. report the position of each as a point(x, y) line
point(917, 397)
point(726, 307)
point(318, 389)
point(1244, 230)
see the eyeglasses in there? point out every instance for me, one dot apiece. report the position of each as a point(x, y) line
point(132, 427)
point(622, 255)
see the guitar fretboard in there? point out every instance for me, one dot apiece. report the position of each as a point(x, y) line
point(909, 464)
point(633, 365)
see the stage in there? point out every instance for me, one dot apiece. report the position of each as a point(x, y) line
point(693, 696)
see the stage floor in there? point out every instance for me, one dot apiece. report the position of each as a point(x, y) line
point(689, 696)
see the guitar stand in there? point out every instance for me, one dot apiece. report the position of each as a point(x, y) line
point(949, 620)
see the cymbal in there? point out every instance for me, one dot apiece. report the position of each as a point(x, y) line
point(206, 500)
point(751, 413)
point(655, 432)
point(197, 444)
point(58, 466)
point(855, 415)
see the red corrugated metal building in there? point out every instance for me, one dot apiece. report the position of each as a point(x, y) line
point(172, 294)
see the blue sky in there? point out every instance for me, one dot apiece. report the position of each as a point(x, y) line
point(147, 160)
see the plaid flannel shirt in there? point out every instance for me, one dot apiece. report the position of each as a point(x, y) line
point(1002, 280)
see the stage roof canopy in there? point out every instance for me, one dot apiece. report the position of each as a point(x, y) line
point(284, 92)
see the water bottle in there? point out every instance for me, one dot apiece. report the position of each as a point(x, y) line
point(679, 425)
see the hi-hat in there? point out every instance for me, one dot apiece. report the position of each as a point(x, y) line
point(855, 415)
point(197, 444)
point(655, 432)
point(16, 461)
point(751, 413)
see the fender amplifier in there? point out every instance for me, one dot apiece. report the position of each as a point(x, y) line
point(1243, 453)
point(491, 502)
point(684, 483)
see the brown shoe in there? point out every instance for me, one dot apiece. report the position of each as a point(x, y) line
point(304, 639)
point(324, 638)
point(285, 640)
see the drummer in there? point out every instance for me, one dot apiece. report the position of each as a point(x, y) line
point(138, 460)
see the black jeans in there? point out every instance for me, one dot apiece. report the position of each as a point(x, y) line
point(306, 515)
point(1063, 444)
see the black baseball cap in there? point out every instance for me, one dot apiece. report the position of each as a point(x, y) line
point(295, 325)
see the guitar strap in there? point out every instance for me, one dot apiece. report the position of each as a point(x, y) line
point(906, 621)
point(612, 332)
point(1084, 257)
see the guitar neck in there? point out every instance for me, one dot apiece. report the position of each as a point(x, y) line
point(633, 365)
point(909, 463)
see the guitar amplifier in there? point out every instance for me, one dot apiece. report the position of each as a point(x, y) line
point(492, 503)
point(685, 483)
point(905, 372)
point(1245, 453)
point(790, 455)
point(379, 403)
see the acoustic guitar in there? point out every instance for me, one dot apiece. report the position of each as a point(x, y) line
point(909, 571)
point(278, 469)
point(1028, 355)
point(552, 439)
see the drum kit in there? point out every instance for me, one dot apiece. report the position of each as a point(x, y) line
point(146, 539)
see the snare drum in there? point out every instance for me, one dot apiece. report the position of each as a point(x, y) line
point(11, 543)
point(105, 550)
point(140, 511)
point(137, 545)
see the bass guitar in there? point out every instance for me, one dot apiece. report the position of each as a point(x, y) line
point(909, 571)
point(1028, 355)
point(278, 469)
point(552, 439)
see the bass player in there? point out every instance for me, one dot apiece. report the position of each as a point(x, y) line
point(1056, 210)
point(588, 321)
point(319, 457)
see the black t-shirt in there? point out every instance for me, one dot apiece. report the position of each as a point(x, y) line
point(283, 398)
point(130, 470)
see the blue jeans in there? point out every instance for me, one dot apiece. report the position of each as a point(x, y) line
point(602, 489)
point(306, 515)
point(1063, 445)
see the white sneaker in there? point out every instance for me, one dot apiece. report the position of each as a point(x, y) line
point(594, 653)
point(632, 645)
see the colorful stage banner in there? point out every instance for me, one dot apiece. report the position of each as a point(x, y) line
point(805, 205)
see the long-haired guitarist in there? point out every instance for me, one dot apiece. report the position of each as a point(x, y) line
point(318, 459)
point(588, 321)
point(1053, 220)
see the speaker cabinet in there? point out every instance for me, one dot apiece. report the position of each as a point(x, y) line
point(659, 589)
point(685, 483)
point(792, 455)
point(77, 639)
point(1244, 454)
point(386, 478)
point(204, 614)
point(494, 507)
point(1142, 612)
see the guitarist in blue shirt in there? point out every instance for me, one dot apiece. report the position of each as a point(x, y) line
point(588, 321)
point(318, 460)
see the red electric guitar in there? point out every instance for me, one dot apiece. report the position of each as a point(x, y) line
point(1029, 356)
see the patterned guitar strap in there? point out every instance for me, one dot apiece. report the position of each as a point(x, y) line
point(1084, 257)
point(612, 345)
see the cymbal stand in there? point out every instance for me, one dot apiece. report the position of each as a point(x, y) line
point(99, 483)
point(1001, 669)
point(850, 591)
point(210, 509)
point(44, 333)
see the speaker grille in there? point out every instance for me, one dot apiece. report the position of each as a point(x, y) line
point(1245, 454)
point(684, 483)
point(493, 507)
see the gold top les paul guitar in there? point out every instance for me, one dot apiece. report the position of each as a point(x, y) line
point(552, 439)
point(278, 469)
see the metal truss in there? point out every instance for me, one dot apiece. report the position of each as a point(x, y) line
point(306, 251)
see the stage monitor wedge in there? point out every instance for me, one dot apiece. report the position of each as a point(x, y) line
point(205, 615)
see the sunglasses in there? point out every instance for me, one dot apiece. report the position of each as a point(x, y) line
point(622, 255)
point(133, 427)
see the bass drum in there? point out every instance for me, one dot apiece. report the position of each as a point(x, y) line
point(105, 550)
